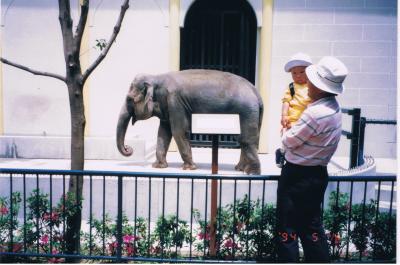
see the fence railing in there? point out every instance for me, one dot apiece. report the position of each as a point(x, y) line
point(357, 134)
point(165, 217)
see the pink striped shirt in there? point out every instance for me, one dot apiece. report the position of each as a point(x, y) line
point(314, 138)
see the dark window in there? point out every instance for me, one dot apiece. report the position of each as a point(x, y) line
point(221, 35)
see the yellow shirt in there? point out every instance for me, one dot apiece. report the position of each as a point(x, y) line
point(298, 103)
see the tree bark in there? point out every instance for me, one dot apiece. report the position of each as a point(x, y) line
point(72, 237)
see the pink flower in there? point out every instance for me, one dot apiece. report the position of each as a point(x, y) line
point(128, 238)
point(3, 210)
point(45, 239)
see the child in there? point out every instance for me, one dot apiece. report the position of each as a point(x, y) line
point(295, 99)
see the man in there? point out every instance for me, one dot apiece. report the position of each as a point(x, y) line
point(310, 144)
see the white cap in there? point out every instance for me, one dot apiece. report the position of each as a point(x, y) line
point(328, 75)
point(299, 59)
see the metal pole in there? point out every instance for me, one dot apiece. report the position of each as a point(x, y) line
point(214, 195)
point(355, 136)
point(119, 220)
point(361, 142)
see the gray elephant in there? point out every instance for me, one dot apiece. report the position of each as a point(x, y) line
point(174, 96)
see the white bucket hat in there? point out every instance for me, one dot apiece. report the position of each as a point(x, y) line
point(328, 75)
point(299, 59)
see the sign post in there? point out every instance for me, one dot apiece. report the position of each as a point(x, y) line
point(215, 124)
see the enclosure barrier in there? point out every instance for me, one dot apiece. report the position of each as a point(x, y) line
point(357, 134)
point(165, 217)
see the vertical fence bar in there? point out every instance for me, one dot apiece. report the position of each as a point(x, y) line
point(376, 217)
point(248, 221)
point(363, 211)
point(390, 210)
point(119, 219)
point(219, 231)
point(191, 219)
point(24, 194)
point(11, 243)
point(104, 216)
point(63, 209)
point(37, 213)
point(360, 160)
point(205, 232)
point(234, 219)
point(177, 217)
point(90, 213)
point(163, 219)
point(149, 221)
point(349, 220)
point(355, 136)
point(51, 212)
point(135, 229)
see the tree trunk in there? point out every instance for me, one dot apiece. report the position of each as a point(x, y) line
point(72, 237)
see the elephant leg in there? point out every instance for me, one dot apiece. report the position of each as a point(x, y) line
point(242, 162)
point(180, 126)
point(185, 150)
point(249, 145)
point(163, 140)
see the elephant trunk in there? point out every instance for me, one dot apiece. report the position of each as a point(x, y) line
point(123, 121)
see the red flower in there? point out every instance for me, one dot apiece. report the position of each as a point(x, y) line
point(3, 210)
point(202, 236)
point(50, 217)
point(229, 243)
point(337, 239)
point(112, 246)
point(45, 239)
point(130, 250)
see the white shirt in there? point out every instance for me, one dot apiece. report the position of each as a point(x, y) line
point(313, 140)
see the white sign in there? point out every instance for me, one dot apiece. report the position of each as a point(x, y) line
point(216, 123)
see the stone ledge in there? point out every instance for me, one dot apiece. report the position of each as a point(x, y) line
point(53, 147)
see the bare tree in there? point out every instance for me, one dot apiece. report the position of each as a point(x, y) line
point(75, 79)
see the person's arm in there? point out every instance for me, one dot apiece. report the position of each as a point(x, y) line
point(301, 131)
point(284, 116)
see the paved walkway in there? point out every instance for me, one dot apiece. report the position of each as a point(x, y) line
point(202, 157)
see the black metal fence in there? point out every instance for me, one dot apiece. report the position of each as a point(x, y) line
point(357, 134)
point(166, 217)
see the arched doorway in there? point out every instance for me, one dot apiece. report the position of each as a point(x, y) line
point(220, 34)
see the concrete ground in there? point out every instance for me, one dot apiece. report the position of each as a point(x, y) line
point(202, 157)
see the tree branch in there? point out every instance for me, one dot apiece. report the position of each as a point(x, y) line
point(81, 24)
point(66, 28)
point(59, 77)
point(110, 42)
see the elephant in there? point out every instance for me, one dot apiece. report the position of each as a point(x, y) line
point(174, 96)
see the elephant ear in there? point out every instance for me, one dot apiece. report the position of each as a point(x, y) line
point(148, 100)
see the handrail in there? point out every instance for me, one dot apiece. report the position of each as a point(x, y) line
point(118, 197)
point(27, 171)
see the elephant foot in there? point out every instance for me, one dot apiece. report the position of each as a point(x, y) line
point(239, 167)
point(252, 170)
point(187, 166)
point(159, 164)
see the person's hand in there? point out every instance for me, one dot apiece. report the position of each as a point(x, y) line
point(285, 121)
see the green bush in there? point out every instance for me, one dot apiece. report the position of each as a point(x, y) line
point(245, 229)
